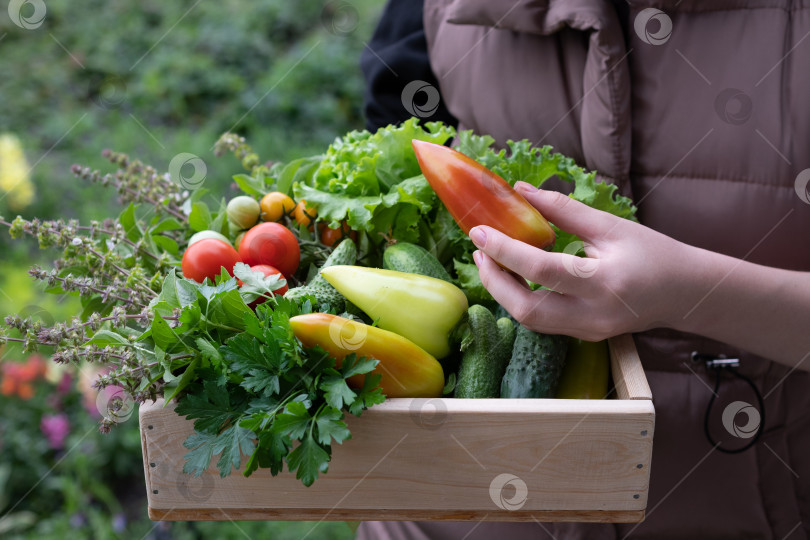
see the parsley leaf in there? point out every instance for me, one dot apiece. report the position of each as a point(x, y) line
point(370, 394)
point(210, 409)
point(202, 450)
point(259, 365)
point(233, 442)
point(330, 425)
point(307, 460)
point(293, 423)
point(337, 392)
point(255, 284)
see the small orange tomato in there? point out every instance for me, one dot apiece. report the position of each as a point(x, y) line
point(302, 215)
point(276, 205)
point(331, 237)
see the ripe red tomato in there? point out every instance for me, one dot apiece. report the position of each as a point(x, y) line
point(205, 258)
point(331, 237)
point(267, 270)
point(273, 244)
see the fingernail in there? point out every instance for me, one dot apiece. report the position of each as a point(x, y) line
point(525, 186)
point(477, 257)
point(478, 236)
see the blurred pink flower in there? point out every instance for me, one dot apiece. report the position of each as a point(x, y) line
point(55, 427)
point(65, 384)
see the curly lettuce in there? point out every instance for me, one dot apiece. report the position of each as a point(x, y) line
point(373, 182)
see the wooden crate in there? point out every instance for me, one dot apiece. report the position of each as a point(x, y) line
point(439, 459)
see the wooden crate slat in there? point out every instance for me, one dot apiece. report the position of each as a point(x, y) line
point(628, 373)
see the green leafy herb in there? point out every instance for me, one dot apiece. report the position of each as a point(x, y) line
point(265, 397)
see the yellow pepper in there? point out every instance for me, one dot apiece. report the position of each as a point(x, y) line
point(406, 370)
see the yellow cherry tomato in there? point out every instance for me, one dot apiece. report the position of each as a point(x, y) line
point(276, 205)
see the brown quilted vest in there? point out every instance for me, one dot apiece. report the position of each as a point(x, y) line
point(700, 111)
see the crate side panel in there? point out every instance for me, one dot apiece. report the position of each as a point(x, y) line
point(465, 459)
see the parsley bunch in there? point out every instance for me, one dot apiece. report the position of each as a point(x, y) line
point(261, 392)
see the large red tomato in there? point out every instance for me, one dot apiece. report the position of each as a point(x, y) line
point(205, 258)
point(273, 244)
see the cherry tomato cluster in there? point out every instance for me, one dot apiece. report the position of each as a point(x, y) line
point(266, 246)
point(275, 206)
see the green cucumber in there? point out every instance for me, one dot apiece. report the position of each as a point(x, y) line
point(324, 299)
point(405, 257)
point(344, 253)
point(319, 288)
point(487, 347)
point(506, 341)
point(500, 311)
point(536, 365)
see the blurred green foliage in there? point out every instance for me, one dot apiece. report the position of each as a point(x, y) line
point(155, 78)
point(151, 79)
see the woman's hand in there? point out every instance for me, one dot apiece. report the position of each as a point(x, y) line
point(622, 285)
point(634, 279)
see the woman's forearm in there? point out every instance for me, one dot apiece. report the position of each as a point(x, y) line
point(757, 308)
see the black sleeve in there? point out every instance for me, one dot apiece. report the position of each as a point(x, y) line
point(396, 56)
